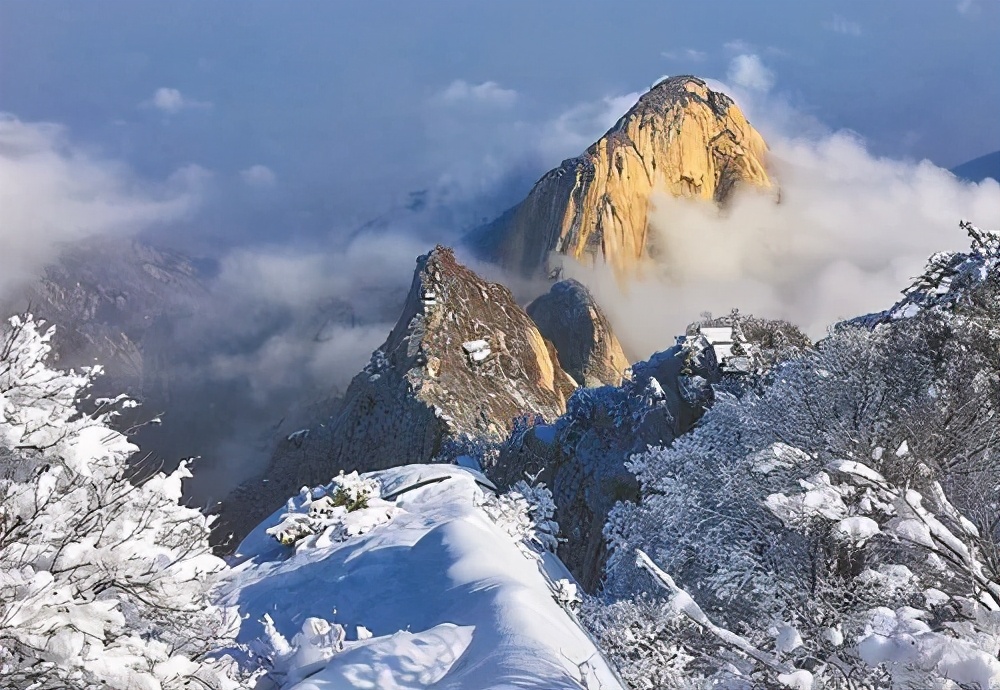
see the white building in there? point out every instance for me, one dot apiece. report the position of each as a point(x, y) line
point(722, 341)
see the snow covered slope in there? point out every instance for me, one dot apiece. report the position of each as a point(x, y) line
point(445, 575)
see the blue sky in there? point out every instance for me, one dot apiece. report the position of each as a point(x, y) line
point(344, 108)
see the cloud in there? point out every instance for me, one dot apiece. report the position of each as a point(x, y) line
point(968, 7)
point(738, 46)
point(54, 192)
point(332, 358)
point(841, 25)
point(848, 231)
point(259, 176)
point(172, 101)
point(319, 311)
point(685, 55)
point(488, 93)
point(749, 72)
point(570, 132)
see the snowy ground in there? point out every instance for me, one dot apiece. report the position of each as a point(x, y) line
point(450, 598)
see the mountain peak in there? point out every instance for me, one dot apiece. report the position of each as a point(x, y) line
point(680, 138)
point(669, 91)
point(462, 362)
point(569, 317)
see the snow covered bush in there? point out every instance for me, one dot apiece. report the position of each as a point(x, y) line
point(289, 662)
point(347, 507)
point(951, 629)
point(567, 594)
point(352, 491)
point(525, 513)
point(104, 582)
point(642, 638)
point(484, 451)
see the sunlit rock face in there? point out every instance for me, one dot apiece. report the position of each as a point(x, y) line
point(681, 138)
point(587, 346)
point(462, 362)
point(462, 352)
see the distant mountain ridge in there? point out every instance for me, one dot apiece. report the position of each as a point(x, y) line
point(108, 299)
point(681, 138)
point(978, 169)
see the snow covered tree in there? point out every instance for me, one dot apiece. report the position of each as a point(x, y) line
point(839, 527)
point(649, 643)
point(105, 581)
point(807, 542)
point(939, 620)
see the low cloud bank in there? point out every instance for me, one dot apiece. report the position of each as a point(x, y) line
point(307, 317)
point(54, 192)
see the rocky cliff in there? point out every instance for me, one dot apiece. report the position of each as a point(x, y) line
point(681, 138)
point(587, 346)
point(582, 456)
point(462, 362)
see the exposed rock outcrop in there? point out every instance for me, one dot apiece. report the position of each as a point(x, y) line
point(463, 361)
point(588, 349)
point(681, 138)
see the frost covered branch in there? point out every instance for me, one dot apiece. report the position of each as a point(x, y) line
point(684, 604)
point(105, 580)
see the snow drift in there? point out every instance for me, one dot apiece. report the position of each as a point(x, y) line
point(448, 587)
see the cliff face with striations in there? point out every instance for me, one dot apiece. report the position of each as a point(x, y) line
point(463, 361)
point(681, 138)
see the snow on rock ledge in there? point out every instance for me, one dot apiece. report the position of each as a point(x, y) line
point(451, 599)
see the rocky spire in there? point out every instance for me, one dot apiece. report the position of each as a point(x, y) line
point(681, 138)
